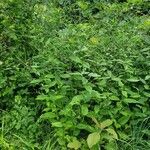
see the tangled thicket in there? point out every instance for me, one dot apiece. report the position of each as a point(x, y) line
point(74, 74)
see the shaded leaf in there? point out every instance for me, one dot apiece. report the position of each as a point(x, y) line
point(123, 120)
point(85, 127)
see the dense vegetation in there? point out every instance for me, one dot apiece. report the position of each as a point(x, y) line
point(75, 74)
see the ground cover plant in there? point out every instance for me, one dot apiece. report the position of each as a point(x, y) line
point(75, 74)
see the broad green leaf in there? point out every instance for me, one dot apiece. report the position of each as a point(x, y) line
point(120, 83)
point(49, 76)
point(96, 94)
point(48, 115)
point(65, 75)
point(146, 25)
point(57, 97)
point(35, 81)
point(135, 95)
point(106, 123)
point(51, 84)
point(47, 42)
point(146, 94)
point(135, 1)
point(76, 100)
point(96, 109)
point(147, 77)
point(114, 98)
point(86, 65)
point(42, 97)
point(18, 99)
point(129, 100)
point(68, 125)
point(111, 145)
point(88, 88)
point(93, 139)
point(125, 94)
point(96, 122)
point(123, 135)
point(123, 120)
point(85, 127)
point(103, 83)
point(126, 113)
point(93, 75)
point(147, 87)
point(84, 110)
point(133, 80)
point(76, 59)
point(94, 40)
point(112, 132)
point(75, 144)
point(57, 124)
point(83, 5)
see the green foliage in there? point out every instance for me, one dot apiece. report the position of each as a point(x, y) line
point(74, 74)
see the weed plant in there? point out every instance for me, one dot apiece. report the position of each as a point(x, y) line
point(75, 74)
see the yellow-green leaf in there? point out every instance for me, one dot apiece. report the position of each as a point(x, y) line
point(94, 40)
point(83, 5)
point(76, 100)
point(93, 139)
point(135, 1)
point(112, 132)
point(84, 110)
point(57, 124)
point(75, 144)
point(106, 123)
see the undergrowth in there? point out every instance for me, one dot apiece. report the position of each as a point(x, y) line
point(75, 75)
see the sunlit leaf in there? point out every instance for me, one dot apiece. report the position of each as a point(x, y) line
point(112, 132)
point(114, 98)
point(76, 100)
point(106, 123)
point(129, 100)
point(57, 124)
point(75, 144)
point(84, 109)
point(147, 77)
point(48, 115)
point(93, 139)
point(133, 80)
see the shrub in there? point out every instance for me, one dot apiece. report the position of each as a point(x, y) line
point(74, 74)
